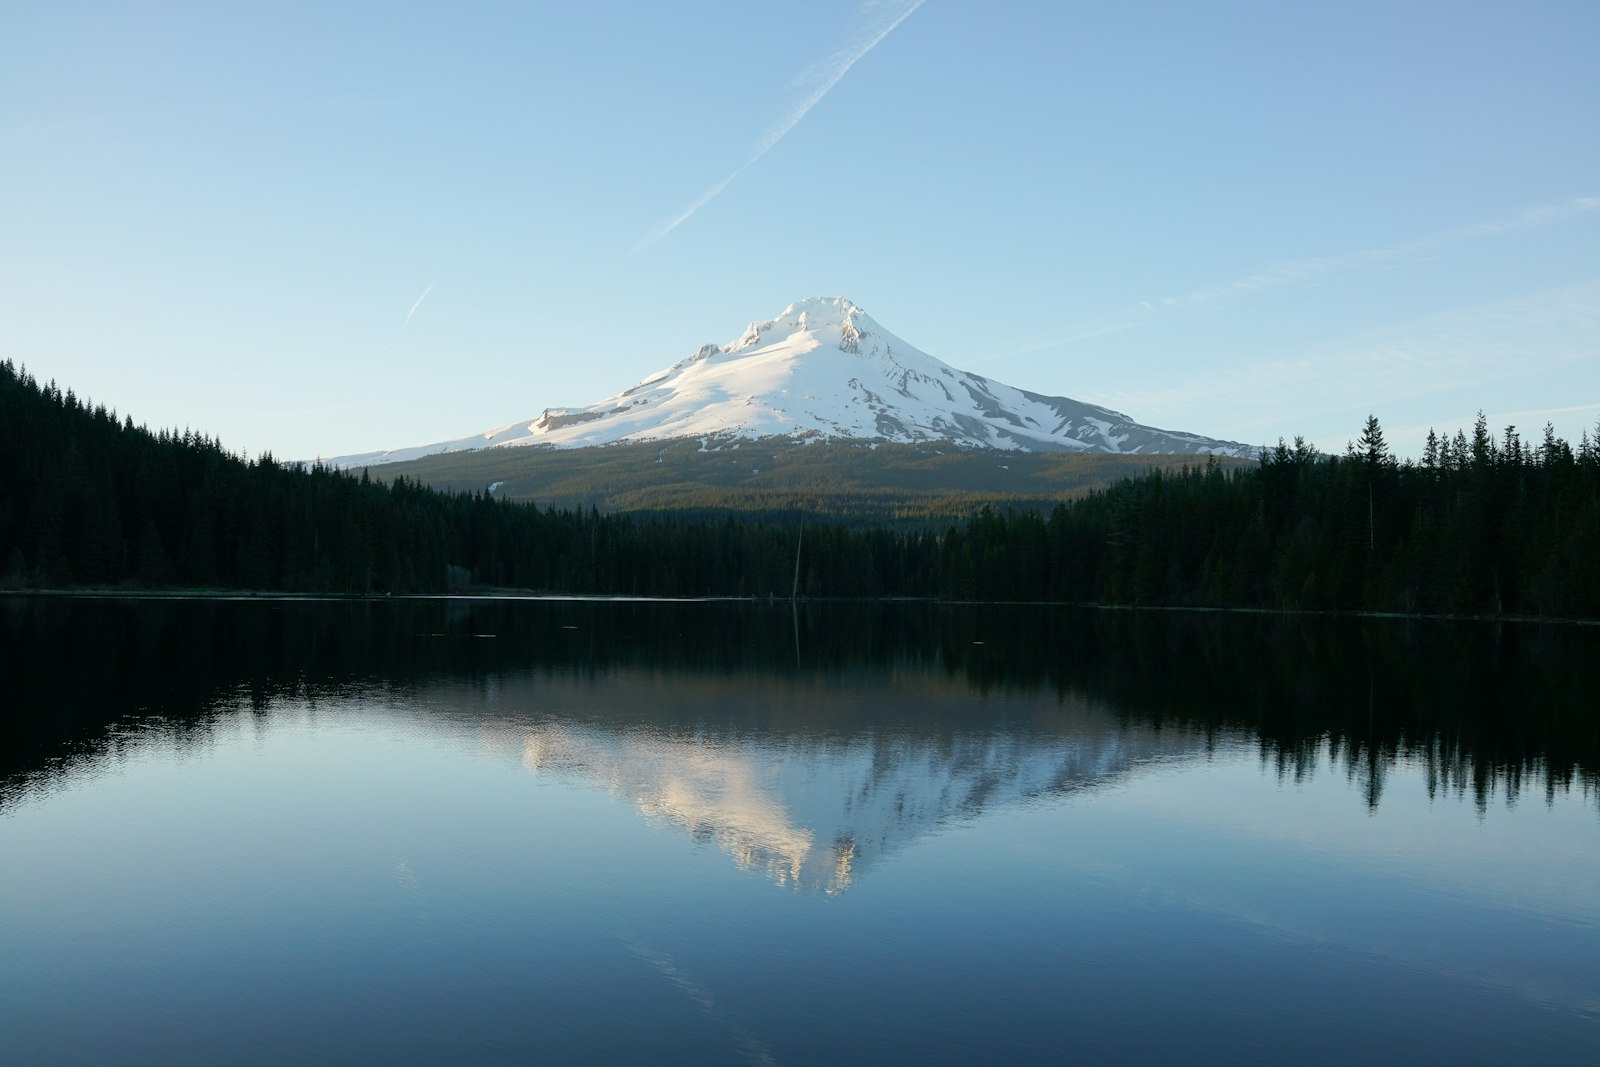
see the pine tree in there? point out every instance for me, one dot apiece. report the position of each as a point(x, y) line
point(1483, 452)
point(1373, 449)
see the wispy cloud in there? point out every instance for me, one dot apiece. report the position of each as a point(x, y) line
point(882, 20)
point(1529, 421)
point(1029, 348)
point(1306, 272)
point(753, 1048)
point(415, 304)
point(1422, 366)
point(418, 304)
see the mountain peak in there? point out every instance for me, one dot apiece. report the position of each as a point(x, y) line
point(822, 308)
point(831, 320)
point(823, 368)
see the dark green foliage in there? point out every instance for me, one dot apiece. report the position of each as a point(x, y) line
point(86, 500)
point(856, 483)
point(1482, 709)
point(1482, 526)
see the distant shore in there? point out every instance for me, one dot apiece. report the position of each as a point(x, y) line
point(536, 595)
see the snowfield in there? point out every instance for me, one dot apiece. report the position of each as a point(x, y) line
point(824, 368)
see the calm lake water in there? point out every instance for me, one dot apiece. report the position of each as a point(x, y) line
point(489, 831)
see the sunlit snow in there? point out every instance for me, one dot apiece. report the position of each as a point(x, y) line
point(824, 368)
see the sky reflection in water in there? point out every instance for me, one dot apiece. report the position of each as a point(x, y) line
point(604, 851)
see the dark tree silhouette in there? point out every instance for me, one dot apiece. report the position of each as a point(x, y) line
point(1481, 526)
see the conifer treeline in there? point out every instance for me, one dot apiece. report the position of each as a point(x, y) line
point(1482, 524)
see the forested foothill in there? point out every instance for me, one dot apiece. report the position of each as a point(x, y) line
point(1484, 523)
point(852, 482)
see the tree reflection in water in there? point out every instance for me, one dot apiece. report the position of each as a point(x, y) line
point(994, 704)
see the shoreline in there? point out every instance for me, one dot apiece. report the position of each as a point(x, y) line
point(264, 596)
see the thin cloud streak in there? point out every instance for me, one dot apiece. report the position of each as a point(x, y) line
point(825, 75)
point(1529, 422)
point(1304, 270)
point(407, 321)
point(1308, 271)
point(418, 304)
point(1077, 338)
point(828, 73)
point(1488, 347)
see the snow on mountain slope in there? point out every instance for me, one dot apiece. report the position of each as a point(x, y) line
point(825, 369)
point(818, 814)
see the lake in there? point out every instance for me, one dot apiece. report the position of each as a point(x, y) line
point(263, 831)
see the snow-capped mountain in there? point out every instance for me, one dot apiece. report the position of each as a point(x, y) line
point(824, 368)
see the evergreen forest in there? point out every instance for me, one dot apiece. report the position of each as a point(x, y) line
point(843, 480)
point(1484, 523)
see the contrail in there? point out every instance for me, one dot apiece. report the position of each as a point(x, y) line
point(751, 1046)
point(827, 75)
point(1306, 271)
point(418, 304)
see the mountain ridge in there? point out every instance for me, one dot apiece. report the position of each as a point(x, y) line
point(825, 369)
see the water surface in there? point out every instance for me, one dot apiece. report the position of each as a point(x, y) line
point(704, 833)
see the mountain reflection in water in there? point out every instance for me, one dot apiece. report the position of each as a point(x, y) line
point(812, 743)
point(816, 813)
point(411, 832)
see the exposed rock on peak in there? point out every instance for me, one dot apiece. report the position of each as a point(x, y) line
point(824, 368)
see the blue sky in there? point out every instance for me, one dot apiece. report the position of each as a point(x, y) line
point(329, 228)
